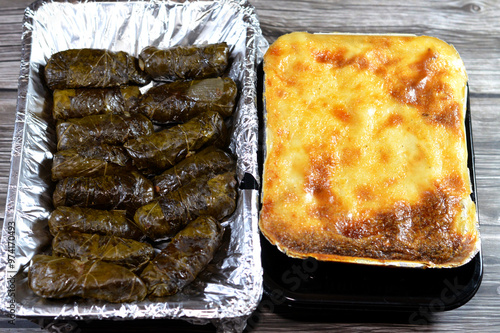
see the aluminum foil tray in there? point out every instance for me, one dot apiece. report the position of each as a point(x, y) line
point(231, 287)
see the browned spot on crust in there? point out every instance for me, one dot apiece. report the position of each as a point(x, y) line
point(335, 58)
point(341, 114)
point(384, 156)
point(274, 51)
point(361, 62)
point(350, 155)
point(269, 82)
point(449, 117)
point(426, 90)
point(290, 81)
point(326, 207)
point(317, 178)
point(301, 67)
point(453, 184)
point(394, 120)
point(357, 229)
point(338, 59)
point(364, 193)
point(280, 93)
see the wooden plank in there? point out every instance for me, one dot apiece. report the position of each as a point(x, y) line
point(10, 73)
point(16, 5)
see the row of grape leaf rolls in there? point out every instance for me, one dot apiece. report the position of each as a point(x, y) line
point(135, 168)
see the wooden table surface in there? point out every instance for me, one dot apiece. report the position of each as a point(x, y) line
point(473, 27)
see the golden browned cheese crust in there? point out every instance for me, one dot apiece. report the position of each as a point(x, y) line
point(366, 155)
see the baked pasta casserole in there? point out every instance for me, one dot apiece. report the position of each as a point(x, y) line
point(366, 151)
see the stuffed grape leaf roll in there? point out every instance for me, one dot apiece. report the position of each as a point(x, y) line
point(99, 129)
point(90, 161)
point(126, 252)
point(93, 68)
point(161, 150)
point(120, 191)
point(185, 62)
point(210, 161)
point(165, 216)
point(182, 100)
point(95, 221)
point(56, 277)
point(188, 253)
point(81, 102)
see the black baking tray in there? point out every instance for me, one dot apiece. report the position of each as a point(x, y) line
point(312, 284)
point(309, 284)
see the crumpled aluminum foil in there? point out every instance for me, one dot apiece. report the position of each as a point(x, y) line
point(229, 290)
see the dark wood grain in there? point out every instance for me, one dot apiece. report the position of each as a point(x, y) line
point(473, 27)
